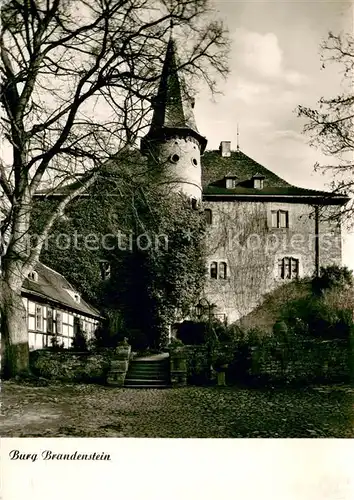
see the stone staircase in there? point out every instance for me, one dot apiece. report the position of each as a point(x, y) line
point(151, 372)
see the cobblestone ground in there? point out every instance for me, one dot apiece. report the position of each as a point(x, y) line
point(191, 412)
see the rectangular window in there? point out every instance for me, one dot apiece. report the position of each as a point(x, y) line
point(283, 218)
point(288, 268)
point(294, 268)
point(50, 322)
point(39, 318)
point(280, 218)
point(214, 270)
point(222, 270)
point(59, 323)
point(208, 216)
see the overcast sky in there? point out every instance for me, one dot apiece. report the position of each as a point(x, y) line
point(275, 66)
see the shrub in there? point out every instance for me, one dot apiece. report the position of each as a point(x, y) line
point(332, 277)
point(317, 318)
point(79, 342)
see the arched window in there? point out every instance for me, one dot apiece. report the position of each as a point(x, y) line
point(222, 270)
point(208, 216)
point(288, 268)
point(214, 270)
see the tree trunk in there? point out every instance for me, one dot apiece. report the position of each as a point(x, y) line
point(15, 355)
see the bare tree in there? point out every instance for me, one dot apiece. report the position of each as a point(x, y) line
point(78, 78)
point(331, 126)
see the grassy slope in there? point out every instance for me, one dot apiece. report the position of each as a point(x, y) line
point(266, 314)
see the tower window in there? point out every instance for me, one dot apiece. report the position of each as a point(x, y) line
point(208, 216)
point(194, 203)
point(288, 268)
point(195, 161)
point(175, 158)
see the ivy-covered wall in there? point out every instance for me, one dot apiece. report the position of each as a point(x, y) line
point(241, 234)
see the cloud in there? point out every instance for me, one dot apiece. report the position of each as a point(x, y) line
point(248, 91)
point(291, 135)
point(262, 56)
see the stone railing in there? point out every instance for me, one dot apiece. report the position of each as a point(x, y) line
point(119, 364)
point(178, 364)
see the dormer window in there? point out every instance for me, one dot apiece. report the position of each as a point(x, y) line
point(74, 294)
point(33, 276)
point(230, 181)
point(258, 181)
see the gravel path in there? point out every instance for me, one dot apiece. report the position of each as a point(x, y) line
point(190, 412)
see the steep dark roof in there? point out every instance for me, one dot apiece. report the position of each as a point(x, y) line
point(214, 170)
point(173, 110)
point(216, 167)
point(53, 287)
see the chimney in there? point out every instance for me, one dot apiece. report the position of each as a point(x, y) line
point(225, 148)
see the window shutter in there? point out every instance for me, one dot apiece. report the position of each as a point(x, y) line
point(274, 218)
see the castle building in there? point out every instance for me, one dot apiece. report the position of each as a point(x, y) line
point(262, 231)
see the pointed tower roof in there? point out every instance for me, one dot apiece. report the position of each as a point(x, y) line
point(173, 111)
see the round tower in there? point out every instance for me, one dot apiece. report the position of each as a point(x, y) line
point(173, 140)
point(180, 159)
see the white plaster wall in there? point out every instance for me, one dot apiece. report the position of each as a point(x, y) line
point(184, 175)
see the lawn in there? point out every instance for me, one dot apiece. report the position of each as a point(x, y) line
point(191, 412)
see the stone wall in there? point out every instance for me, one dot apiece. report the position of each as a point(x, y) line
point(241, 235)
point(307, 361)
point(69, 366)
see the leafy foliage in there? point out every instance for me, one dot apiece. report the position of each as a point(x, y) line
point(337, 277)
point(155, 247)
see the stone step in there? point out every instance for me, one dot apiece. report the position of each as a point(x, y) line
point(147, 376)
point(141, 370)
point(142, 386)
point(148, 373)
point(145, 382)
point(150, 364)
